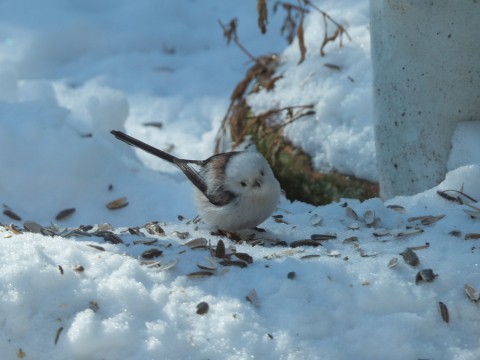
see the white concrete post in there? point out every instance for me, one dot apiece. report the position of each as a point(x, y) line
point(426, 78)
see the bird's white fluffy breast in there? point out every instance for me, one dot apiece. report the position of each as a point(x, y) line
point(253, 204)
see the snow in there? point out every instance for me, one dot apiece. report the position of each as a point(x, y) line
point(72, 71)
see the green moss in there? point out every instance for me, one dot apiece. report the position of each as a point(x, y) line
point(294, 171)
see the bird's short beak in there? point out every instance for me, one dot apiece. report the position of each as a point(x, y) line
point(257, 183)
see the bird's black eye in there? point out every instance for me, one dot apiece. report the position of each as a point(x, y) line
point(243, 183)
point(262, 173)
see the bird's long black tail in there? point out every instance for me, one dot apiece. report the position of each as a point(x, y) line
point(140, 144)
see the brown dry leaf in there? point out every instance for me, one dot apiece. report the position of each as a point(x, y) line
point(237, 121)
point(241, 88)
point(262, 15)
point(301, 42)
point(472, 236)
point(230, 31)
point(327, 38)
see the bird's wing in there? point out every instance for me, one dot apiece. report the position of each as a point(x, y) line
point(217, 195)
point(192, 174)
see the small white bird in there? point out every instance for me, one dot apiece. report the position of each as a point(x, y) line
point(234, 190)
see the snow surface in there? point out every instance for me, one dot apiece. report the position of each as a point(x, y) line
point(72, 71)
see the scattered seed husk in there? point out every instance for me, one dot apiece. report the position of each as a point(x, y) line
point(323, 237)
point(366, 255)
point(332, 253)
point(432, 219)
point(369, 217)
point(354, 226)
point(152, 253)
point(244, 257)
point(197, 243)
point(443, 311)
point(220, 249)
point(426, 275)
point(228, 234)
point(472, 236)
point(154, 228)
point(393, 262)
point(458, 197)
point(316, 220)
point(117, 203)
point(9, 213)
point(397, 208)
point(146, 242)
point(167, 266)
point(156, 124)
point(64, 214)
point(305, 242)
point(112, 238)
point(85, 227)
point(279, 218)
point(33, 227)
point(135, 231)
point(291, 275)
point(100, 248)
point(444, 195)
point(200, 274)
point(239, 264)
point(252, 297)
point(310, 256)
point(181, 235)
point(474, 214)
point(79, 268)
point(270, 336)
point(60, 268)
point(93, 305)
point(472, 293)
point(455, 233)
point(285, 253)
point(151, 263)
point(15, 230)
point(158, 264)
point(332, 66)
point(350, 240)
point(410, 257)
point(57, 335)
point(71, 233)
point(381, 232)
point(202, 308)
point(420, 247)
point(409, 232)
point(351, 213)
point(104, 227)
point(426, 220)
point(210, 267)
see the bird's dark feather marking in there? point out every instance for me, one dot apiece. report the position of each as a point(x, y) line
point(192, 175)
point(140, 144)
point(220, 197)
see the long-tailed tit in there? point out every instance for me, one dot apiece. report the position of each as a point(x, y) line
point(234, 190)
